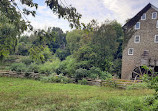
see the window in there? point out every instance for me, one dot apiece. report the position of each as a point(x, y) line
point(137, 39)
point(130, 51)
point(154, 15)
point(143, 17)
point(156, 39)
point(157, 24)
point(137, 26)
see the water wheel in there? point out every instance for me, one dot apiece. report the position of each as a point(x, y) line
point(138, 72)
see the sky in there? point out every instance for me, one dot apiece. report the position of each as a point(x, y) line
point(100, 10)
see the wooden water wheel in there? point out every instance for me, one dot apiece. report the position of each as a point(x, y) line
point(138, 72)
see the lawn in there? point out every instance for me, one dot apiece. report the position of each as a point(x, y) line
point(30, 95)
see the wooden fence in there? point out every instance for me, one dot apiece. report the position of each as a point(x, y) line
point(120, 83)
point(5, 73)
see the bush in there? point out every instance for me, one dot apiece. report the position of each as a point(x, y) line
point(83, 81)
point(27, 60)
point(18, 67)
point(110, 83)
point(53, 78)
point(49, 67)
point(45, 69)
point(67, 67)
point(81, 73)
point(96, 72)
point(33, 68)
point(62, 54)
point(10, 59)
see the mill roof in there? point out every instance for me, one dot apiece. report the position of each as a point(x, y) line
point(136, 18)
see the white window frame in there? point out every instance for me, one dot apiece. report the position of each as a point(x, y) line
point(138, 27)
point(153, 16)
point(144, 16)
point(135, 39)
point(132, 51)
point(156, 36)
point(157, 24)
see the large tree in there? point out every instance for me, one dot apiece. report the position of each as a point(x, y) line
point(13, 16)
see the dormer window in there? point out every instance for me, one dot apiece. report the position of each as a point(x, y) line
point(130, 51)
point(137, 26)
point(137, 39)
point(156, 39)
point(143, 17)
point(154, 15)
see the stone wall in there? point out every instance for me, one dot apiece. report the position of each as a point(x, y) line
point(147, 34)
point(20, 74)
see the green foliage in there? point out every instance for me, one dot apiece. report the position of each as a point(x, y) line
point(110, 83)
point(40, 54)
point(33, 67)
point(8, 34)
point(81, 73)
point(97, 73)
point(37, 95)
point(23, 49)
point(18, 67)
point(53, 78)
point(27, 60)
point(83, 81)
point(10, 58)
point(67, 67)
point(73, 40)
point(86, 53)
point(49, 66)
point(62, 54)
point(152, 103)
point(143, 85)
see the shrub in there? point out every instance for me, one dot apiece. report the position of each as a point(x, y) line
point(110, 83)
point(45, 69)
point(62, 54)
point(49, 67)
point(18, 67)
point(27, 60)
point(67, 67)
point(53, 78)
point(83, 81)
point(33, 68)
point(96, 72)
point(10, 58)
point(81, 73)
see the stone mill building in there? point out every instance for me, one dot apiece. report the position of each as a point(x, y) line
point(140, 43)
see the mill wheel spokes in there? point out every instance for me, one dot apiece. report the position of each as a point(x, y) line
point(138, 72)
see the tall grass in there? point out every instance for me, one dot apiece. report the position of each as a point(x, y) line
point(30, 95)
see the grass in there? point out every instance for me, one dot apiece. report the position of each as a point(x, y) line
point(30, 95)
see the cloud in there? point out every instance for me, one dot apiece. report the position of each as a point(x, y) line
point(120, 10)
point(125, 9)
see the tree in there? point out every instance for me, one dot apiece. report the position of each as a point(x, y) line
point(73, 40)
point(8, 33)
point(58, 7)
point(8, 8)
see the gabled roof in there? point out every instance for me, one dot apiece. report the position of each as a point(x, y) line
point(136, 18)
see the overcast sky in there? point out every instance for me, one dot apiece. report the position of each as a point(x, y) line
point(100, 10)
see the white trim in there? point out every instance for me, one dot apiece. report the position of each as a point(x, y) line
point(135, 39)
point(157, 24)
point(136, 24)
point(144, 16)
point(155, 39)
point(153, 14)
point(132, 51)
